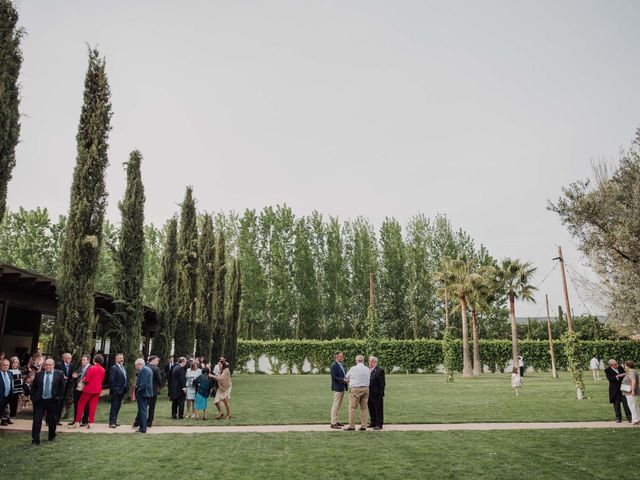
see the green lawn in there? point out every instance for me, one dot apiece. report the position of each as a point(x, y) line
point(566, 454)
point(295, 399)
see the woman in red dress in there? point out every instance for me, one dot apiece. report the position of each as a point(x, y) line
point(91, 391)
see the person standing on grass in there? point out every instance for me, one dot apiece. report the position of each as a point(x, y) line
point(46, 389)
point(16, 375)
point(630, 390)
point(338, 386)
point(78, 379)
point(167, 373)
point(143, 392)
point(376, 394)
point(91, 390)
point(178, 389)
point(358, 377)
point(615, 374)
point(117, 389)
point(594, 366)
point(6, 389)
point(521, 366)
point(203, 385)
point(67, 368)
point(223, 393)
point(192, 373)
point(516, 381)
point(152, 362)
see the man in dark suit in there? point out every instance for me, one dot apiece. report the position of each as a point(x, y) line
point(376, 394)
point(144, 391)
point(76, 378)
point(178, 390)
point(338, 387)
point(157, 384)
point(168, 368)
point(6, 388)
point(615, 373)
point(117, 389)
point(67, 368)
point(46, 390)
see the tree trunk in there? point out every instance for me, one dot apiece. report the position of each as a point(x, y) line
point(477, 364)
point(466, 361)
point(514, 330)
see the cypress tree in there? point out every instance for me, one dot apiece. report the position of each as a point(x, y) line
point(218, 299)
point(165, 318)
point(306, 286)
point(75, 322)
point(127, 320)
point(187, 275)
point(10, 62)
point(233, 314)
point(206, 278)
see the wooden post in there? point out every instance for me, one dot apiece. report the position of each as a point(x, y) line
point(553, 355)
point(566, 292)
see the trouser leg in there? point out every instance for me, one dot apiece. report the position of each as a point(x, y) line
point(335, 407)
point(364, 409)
point(36, 426)
point(152, 410)
point(372, 411)
point(353, 404)
point(51, 406)
point(625, 405)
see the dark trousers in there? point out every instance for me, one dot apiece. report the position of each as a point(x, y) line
point(177, 407)
point(13, 404)
point(376, 409)
point(521, 372)
point(3, 403)
point(152, 411)
point(616, 407)
point(116, 403)
point(76, 399)
point(143, 405)
point(39, 408)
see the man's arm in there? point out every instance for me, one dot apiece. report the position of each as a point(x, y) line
point(611, 375)
point(382, 380)
point(335, 372)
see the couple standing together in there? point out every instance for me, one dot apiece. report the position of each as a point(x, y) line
point(367, 392)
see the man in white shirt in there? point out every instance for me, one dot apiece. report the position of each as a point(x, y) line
point(358, 377)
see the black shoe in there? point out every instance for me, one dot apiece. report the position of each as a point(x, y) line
point(340, 424)
point(4, 423)
point(52, 438)
point(117, 424)
point(112, 425)
point(335, 426)
point(348, 429)
point(35, 444)
point(371, 425)
point(363, 429)
point(84, 424)
point(59, 424)
point(71, 423)
point(618, 420)
point(174, 418)
point(9, 421)
point(139, 431)
point(377, 428)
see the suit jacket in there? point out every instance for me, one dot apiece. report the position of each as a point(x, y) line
point(2, 388)
point(614, 383)
point(57, 386)
point(157, 379)
point(337, 377)
point(93, 379)
point(178, 382)
point(117, 380)
point(376, 382)
point(144, 383)
point(72, 368)
point(167, 370)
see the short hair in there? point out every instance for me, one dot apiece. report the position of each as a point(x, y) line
point(14, 359)
point(152, 358)
point(47, 360)
point(375, 359)
point(85, 356)
point(612, 361)
point(359, 358)
point(205, 371)
point(66, 354)
point(336, 353)
point(182, 359)
point(119, 353)
point(99, 359)
point(140, 361)
point(630, 364)
point(5, 360)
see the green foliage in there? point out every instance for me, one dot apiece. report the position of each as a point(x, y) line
point(206, 280)
point(232, 315)
point(449, 354)
point(574, 363)
point(307, 296)
point(393, 282)
point(10, 63)
point(372, 332)
point(83, 235)
point(219, 292)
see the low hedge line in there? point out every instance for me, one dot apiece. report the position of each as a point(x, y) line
point(425, 355)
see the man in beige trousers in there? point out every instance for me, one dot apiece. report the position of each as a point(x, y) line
point(358, 377)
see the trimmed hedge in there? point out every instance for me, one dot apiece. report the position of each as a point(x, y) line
point(425, 355)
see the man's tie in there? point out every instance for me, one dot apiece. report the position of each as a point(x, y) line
point(47, 385)
point(7, 383)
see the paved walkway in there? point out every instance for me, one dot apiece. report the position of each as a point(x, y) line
point(25, 426)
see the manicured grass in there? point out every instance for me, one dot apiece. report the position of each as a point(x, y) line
point(296, 399)
point(521, 454)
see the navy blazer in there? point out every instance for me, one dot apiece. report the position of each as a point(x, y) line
point(144, 383)
point(117, 380)
point(376, 382)
point(2, 386)
point(337, 377)
point(57, 386)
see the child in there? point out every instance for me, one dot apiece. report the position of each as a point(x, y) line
point(516, 381)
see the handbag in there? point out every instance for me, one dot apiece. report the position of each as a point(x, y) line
point(625, 388)
point(80, 386)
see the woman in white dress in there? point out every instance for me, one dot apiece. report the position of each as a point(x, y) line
point(193, 372)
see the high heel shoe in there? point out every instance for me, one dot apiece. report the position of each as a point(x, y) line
point(219, 416)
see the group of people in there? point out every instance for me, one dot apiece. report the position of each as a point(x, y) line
point(624, 390)
point(366, 391)
point(47, 383)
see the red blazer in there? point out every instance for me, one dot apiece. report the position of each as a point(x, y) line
point(93, 379)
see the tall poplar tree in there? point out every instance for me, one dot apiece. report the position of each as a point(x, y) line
point(10, 62)
point(420, 285)
point(335, 284)
point(167, 295)
point(220, 271)
point(126, 331)
point(232, 305)
point(307, 311)
point(393, 282)
point(76, 321)
point(187, 274)
point(206, 281)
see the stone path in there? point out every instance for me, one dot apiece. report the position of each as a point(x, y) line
point(25, 426)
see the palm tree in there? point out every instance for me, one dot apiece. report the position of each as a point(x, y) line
point(515, 277)
point(458, 278)
point(480, 298)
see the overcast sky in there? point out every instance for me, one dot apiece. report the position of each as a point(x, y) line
point(482, 110)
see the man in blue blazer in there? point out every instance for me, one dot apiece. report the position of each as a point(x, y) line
point(117, 389)
point(144, 392)
point(338, 387)
point(6, 387)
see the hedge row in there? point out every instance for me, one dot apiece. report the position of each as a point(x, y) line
point(412, 356)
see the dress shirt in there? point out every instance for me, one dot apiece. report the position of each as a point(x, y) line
point(358, 376)
point(6, 380)
point(123, 372)
point(48, 380)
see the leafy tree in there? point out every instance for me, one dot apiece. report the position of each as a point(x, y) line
point(515, 277)
point(232, 314)
point(83, 236)
point(10, 63)
point(167, 293)
point(335, 284)
point(153, 244)
point(308, 311)
point(420, 284)
point(393, 281)
point(206, 279)
point(107, 260)
point(186, 276)
point(126, 332)
point(219, 291)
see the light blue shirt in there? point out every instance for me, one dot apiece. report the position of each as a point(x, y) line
point(46, 389)
point(6, 379)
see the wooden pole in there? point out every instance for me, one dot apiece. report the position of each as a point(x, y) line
point(566, 292)
point(553, 355)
